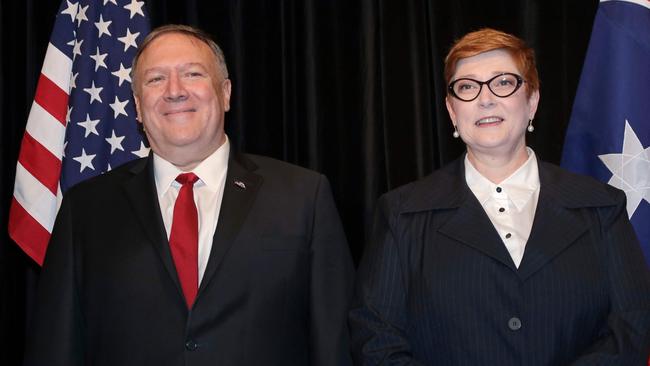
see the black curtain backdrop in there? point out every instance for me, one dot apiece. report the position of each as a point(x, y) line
point(351, 88)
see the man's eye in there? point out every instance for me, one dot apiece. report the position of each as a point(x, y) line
point(194, 74)
point(154, 79)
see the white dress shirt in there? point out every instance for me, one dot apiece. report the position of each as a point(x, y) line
point(511, 204)
point(208, 193)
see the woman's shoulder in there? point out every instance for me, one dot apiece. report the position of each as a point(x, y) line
point(443, 188)
point(577, 190)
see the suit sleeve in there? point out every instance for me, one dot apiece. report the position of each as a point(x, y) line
point(54, 336)
point(332, 279)
point(379, 317)
point(627, 341)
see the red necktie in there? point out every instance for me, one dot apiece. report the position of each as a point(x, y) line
point(184, 237)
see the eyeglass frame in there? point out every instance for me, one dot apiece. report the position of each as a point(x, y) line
point(520, 82)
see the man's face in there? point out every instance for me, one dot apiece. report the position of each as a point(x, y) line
point(181, 99)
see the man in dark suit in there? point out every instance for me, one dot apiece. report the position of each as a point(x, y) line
point(267, 278)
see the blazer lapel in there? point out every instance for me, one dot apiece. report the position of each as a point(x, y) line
point(555, 226)
point(468, 223)
point(141, 192)
point(240, 190)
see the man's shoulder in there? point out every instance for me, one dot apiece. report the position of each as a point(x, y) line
point(282, 178)
point(271, 167)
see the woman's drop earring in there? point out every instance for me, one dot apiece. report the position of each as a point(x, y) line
point(455, 134)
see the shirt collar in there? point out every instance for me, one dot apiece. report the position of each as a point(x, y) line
point(209, 170)
point(519, 187)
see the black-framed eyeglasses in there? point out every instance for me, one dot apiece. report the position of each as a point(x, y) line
point(502, 85)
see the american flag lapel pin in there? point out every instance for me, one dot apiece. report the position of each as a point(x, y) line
point(240, 184)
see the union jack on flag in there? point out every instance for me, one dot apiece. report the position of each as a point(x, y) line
point(82, 121)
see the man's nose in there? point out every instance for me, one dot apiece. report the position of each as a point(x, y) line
point(175, 90)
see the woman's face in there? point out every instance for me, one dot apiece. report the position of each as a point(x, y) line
point(489, 124)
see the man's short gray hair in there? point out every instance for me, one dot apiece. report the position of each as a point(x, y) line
point(188, 31)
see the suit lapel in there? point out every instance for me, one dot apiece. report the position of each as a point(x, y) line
point(555, 226)
point(471, 226)
point(141, 192)
point(240, 190)
point(468, 223)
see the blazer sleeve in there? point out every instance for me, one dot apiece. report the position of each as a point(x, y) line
point(54, 336)
point(627, 341)
point(379, 316)
point(332, 278)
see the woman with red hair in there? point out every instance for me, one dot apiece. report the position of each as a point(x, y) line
point(500, 258)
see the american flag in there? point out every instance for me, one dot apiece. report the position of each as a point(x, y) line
point(82, 121)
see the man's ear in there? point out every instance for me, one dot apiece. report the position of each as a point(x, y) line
point(226, 89)
point(138, 115)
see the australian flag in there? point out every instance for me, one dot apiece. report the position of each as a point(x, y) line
point(609, 132)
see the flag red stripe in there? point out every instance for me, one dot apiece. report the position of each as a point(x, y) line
point(52, 98)
point(27, 232)
point(40, 163)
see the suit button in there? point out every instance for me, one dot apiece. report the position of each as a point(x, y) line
point(191, 345)
point(514, 323)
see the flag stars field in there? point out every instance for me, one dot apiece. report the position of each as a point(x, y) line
point(129, 39)
point(94, 92)
point(89, 125)
point(99, 59)
point(119, 107)
point(135, 7)
point(71, 10)
point(142, 152)
point(85, 160)
point(115, 142)
point(123, 74)
point(76, 49)
point(81, 14)
point(102, 26)
point(73, 80)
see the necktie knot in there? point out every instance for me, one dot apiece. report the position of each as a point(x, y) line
point(187, 178)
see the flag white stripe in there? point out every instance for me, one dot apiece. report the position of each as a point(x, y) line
point(35, 198)
point(46, 129)
point(57, 67)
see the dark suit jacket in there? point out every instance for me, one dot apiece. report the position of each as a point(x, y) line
point(275, 292)
point(437, 286)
